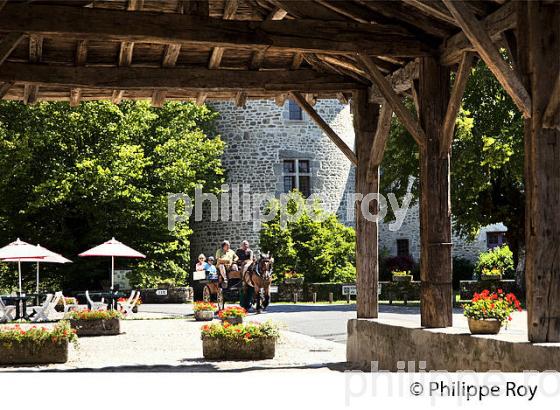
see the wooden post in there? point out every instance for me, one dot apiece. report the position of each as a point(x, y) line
point(539, 63)
point(314, 297)
point(435, 209)
point(331, 297)
point(295, 297)
point(365, 116)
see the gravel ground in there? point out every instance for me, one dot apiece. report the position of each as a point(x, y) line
point(171, 345)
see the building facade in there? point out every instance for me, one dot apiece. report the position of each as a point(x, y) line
point(271, 150)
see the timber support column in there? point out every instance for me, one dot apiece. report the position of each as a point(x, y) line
point(539, 65)
point(435, 209)
point(365, 116)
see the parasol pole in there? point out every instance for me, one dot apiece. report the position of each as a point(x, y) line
point(19, 273)
point(37, 278)
point(112, 270)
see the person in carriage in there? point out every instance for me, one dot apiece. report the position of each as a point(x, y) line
point(226, 262)
point(201, 264)
point(246, 259)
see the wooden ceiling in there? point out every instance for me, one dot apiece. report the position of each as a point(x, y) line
point(224, 49)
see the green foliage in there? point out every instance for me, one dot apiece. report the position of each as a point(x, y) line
point(486, 164)
point(323, 249)
point(496, 305)
point(58, 334)
point(246, 332)
point(500, 258)
point(71, 178)
point(94, 315)
point(463, 269)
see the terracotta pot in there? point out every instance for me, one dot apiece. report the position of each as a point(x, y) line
point(204, 315)
point(28, 352)
point(223, 349)
point(233, 320)
point(484, 326)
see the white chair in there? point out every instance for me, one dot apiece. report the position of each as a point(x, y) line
point(96, 305)
point(72, 306)
point(7, 313)
point(126, 307)
point(41, 313)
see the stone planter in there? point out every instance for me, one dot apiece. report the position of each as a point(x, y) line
point(490, 277)
point(484, 326)
point(233, 320)
point(294, 281)
point(204, 315)
point(99, 327)
point(402, 278)
point(28, 352)
point(222, 349)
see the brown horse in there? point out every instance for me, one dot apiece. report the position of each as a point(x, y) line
point(259, 277)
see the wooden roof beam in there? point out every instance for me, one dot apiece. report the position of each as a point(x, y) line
point(258, 56)
point(494, 24)
point(217, 52)
point(380, 141)
point(8, 44)
point(201, 98)
point(80, 59)
point(339, 142)
point(479, 37)
point(553, 107)
point(31, 91)
point(293, 35)
point(433, 8)
point(385, 88)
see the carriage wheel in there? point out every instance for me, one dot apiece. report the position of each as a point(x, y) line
point(206, 294)
point(220, 299)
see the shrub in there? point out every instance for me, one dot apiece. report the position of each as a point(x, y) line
point(94, 315)
point(486, 305)
point(60, 333)
point(245, 331)
point(500, 258)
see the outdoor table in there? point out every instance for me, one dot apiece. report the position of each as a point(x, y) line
point(20, 302)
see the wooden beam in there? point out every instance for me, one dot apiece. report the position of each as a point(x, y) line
point(380, 140)
point(164, 28)
point(240, 99)
point(191, 78)
point(499, 21)
point(455, 101)
point(432, 8)
point(196, 7)
point(365, 118)
point(280, 100)
point(30, 94)
point(258, 56)
point(230, 9)
point(8, 44)
point(339, 142)
point(5, 87)
point(483, 44)
point(436, 292)
point(31, 91)
point(201, 98)
point(342, 98)
point(80, 59)
point(551, 114)
point(394, 100)
point(170, 56)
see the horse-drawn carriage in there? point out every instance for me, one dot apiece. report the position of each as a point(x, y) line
point(257, 282)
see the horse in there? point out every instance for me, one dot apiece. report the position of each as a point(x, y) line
point(259, 277)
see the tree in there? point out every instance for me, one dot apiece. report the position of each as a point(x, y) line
point(322, 248)
point(71, 178)
point(486, 164)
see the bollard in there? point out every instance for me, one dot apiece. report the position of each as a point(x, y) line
point(314, 297)
point(295, 297)
point(348, 298)
point(331, 297)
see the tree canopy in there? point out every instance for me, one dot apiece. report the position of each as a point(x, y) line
point(71, 178)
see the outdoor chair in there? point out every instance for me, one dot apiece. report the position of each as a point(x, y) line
point(41, 313)
point(126, 307)
point(7, 313)
point(72, 306)
point(96, 305)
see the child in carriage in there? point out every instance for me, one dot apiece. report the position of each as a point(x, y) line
point(211, 269)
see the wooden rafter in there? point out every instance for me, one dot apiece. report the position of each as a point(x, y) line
point(494, 24)
point(455, 101)
point(553, 107)
point(217, 52)
point(8, 44)
point(280, 100)
point(31, 91)
point(385, 88)
point(240, 99)
point(80, 59)
point(292, 35)
point(201, 98)
point(432, 8)
point(5, 87)
point(339, 142)
point(483, 44)
point(380, 140)
point(258, 56)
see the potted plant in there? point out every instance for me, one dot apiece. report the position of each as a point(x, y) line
point(491, 274)
point(245, 341)
point(487, 311)
point(204, 311)
point(401, 276)
point(95, 322)
point(232, 314)
point(35, 345)
point(293, 278)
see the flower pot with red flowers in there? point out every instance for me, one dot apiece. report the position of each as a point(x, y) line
point(244, 341)
point(232, 314)
point(204, 311)
point(35, 345)
point(95, 322)
point(488, 312)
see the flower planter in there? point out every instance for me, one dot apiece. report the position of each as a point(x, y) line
point(31, 352)
point(402, 278)
point(490, 277)
point(484, 326)
point(293, 281)
point(223, 349)
point(233, 320)
point(204, 315)
point(98, 327)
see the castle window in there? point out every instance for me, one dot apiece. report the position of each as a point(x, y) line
point(403, 247)
point(494, 239)
point(297, 175)
point(294, 111)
